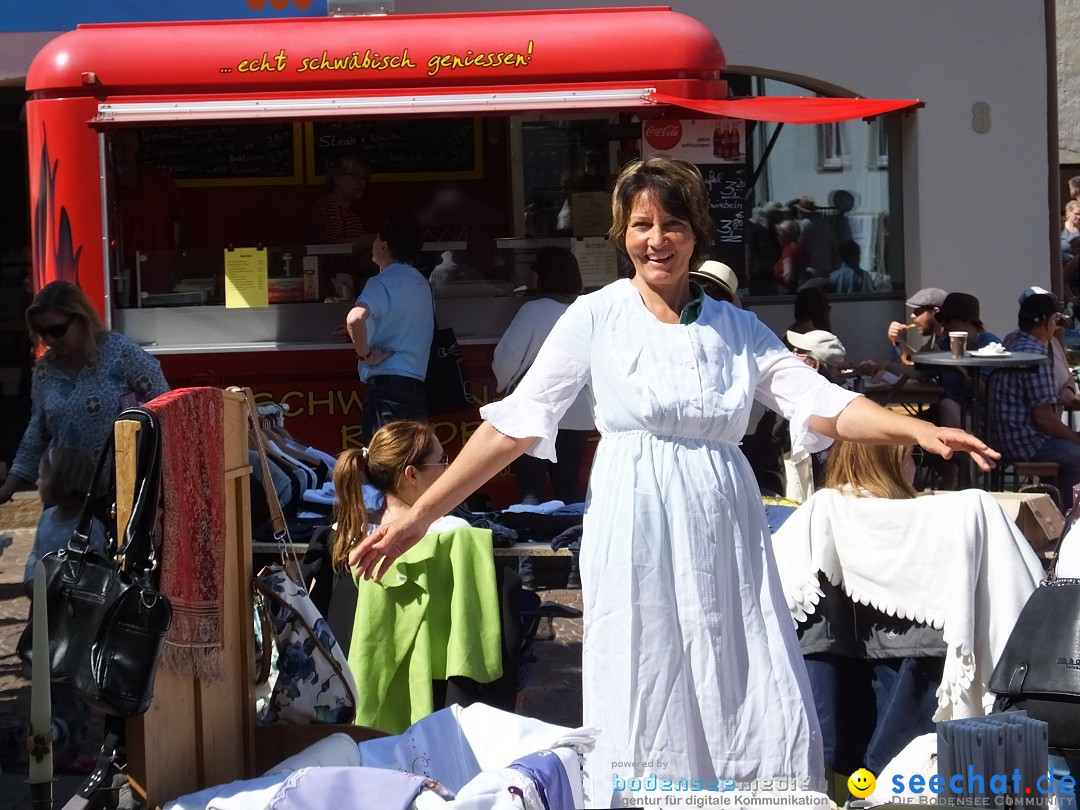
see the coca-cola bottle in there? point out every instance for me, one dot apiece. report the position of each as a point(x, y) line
point(718, 141)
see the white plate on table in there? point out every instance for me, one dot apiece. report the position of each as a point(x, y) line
point(985, 353)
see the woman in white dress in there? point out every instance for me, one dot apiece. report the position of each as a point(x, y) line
point(691, 669)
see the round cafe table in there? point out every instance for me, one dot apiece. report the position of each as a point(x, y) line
point(979, 362)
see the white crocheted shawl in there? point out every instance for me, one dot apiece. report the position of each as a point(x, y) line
point(955, 561)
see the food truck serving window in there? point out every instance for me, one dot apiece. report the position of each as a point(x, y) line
point(254, 171)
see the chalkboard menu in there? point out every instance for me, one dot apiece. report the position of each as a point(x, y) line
point(727, 204)
point(401, 148)
point(226, 154)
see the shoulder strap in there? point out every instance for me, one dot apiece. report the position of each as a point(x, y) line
point(277, 517)
point(80, 538)
point(1070, 521)
point(137, 552)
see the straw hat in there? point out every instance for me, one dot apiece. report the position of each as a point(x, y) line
point(720, 274)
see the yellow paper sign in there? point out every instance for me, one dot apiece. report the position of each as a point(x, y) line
point(245, 278)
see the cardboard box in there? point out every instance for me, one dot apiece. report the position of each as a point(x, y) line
point(1036, 514)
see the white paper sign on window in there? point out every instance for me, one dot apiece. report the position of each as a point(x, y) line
point(596, 260)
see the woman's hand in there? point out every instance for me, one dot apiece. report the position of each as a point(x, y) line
point(946, 441)
point(385, 544)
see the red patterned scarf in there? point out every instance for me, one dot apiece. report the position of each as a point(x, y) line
point(193, 534)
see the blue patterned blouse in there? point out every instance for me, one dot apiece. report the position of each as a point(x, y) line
point(79, 411)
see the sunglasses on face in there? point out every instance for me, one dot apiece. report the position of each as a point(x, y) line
point(442, 462)
point(56, 330)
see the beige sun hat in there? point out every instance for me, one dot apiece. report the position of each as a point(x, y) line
point(825, 346)
point(719, 273)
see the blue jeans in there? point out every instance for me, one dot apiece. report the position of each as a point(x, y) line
point(390, 397)
point(1066, 455)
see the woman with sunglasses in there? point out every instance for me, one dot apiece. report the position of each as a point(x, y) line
point(401, 461)
point(85, 377)
point(391, 637)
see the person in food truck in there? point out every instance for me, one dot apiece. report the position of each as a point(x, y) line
point(86, 376)
point(391, 328)
point(335, 220)
point(692, 670)
point(153, 225)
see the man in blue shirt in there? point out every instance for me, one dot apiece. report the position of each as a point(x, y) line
point(1024, 421)
point(391, 327)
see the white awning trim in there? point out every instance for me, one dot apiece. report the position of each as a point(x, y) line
point(376, 105)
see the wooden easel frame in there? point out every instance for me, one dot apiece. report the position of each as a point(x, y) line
point(200, 733)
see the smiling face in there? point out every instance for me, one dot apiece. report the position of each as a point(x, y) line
point(861, 783)
point(659, 244)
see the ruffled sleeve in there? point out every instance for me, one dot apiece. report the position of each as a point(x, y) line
point(550, 386)
point(790, 387)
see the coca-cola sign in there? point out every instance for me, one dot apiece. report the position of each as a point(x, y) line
point(663, 134)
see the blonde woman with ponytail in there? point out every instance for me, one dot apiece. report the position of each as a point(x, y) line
point(437, 616)
point(403, 459)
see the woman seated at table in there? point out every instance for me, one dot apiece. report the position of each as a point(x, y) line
point(408, 650)
point(865, 539)
point(849, 646)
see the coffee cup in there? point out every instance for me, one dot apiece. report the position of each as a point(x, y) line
point(958, 343)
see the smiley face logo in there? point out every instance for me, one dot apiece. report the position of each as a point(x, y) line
point(861, 783)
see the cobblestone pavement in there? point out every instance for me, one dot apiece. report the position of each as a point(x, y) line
point(552, 689)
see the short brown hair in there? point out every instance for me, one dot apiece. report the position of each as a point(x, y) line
point(875, 470)
point(394, 447)
point(64, 298)
point(679, 189)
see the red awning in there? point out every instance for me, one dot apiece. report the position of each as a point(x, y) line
point(789, 110)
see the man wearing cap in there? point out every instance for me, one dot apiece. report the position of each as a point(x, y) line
point(924, 305)
point(1024, 421)
point(823, 352)
point(820, 349)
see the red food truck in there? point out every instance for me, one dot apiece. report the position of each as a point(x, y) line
point(499, 132)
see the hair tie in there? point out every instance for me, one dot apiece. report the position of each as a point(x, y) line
point(364, 453)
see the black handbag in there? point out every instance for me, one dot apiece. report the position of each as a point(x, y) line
point(447, 385)
point(107, 620)
point(1039, 669)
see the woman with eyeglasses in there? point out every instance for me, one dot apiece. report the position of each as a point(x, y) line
point(401, 461)
point(85, 377)
point(437, 617)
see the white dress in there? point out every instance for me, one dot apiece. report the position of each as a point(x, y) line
point(692, 669)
